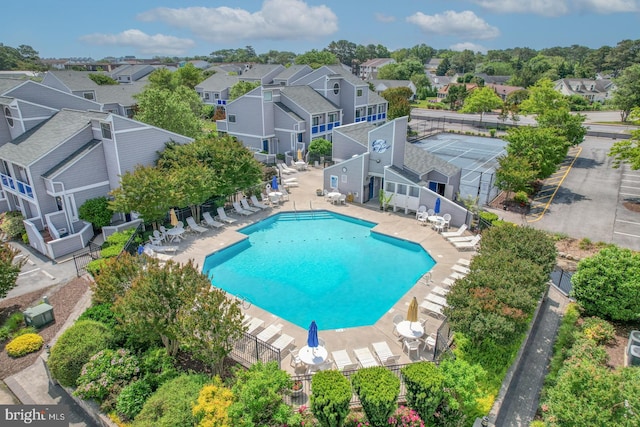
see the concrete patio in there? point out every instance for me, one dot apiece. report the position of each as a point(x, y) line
point(197, 246)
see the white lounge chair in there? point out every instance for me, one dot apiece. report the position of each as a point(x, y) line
point(456, 233)
point(291, 184)
point(153, 254)
point(269, 332)
point(245, 205)
point(161, 248)
point(384, 353)
point(257, 203)
point(289, 180)
point(254, 324)
point(460, 239)
point(222, 215)
point(431, 307)
point(283, 342)
point(342, 360)
point(239, 210)
point(460, 269)
point(208, 220)
point(470, 245)
point(195, 227)
point(365, 357)
point(464, 261)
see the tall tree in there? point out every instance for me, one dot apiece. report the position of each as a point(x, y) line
point(515, 174)
point(146, 191)
point(627, 94)
point(192, 186)
point(543, 149)
point(456, 95)
point(543, 97)
point(344, 50)
point(241, 88)
point(481, 100)
point(176, 110)
point(398, 99)
point(9, 267)
point(211, 323)
point(628, 150)
point(317, 58)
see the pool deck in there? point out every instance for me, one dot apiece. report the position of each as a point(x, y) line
point(197, 246)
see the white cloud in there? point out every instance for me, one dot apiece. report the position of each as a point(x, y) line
point(277, 20)
point(381, 17)
point(158, 44)
point(560, 7)
point(459, 47)
point(450, 23)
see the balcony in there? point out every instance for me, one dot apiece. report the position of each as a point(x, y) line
point(324, 128)
point(15, 186)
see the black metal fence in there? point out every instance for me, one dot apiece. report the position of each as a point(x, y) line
point(132, 244)
point(249, 350)
point(82, 259)
point(562, 280)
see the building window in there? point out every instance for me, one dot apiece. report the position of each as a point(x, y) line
point(336, 88)
point(381, 108)
point(7, 115)
point(315, 121)
point(206, 95)
point(359, 92)
point(267, 95)
point(88, 95)
point(232, 118)
point(106, 130)
point(333, 117)
point(216, 96)
point(299, 137)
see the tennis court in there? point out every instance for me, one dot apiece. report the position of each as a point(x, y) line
point(476, 156)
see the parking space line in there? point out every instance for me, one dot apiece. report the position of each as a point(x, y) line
point(628, 222)
point(29, 272)
point(629, 194)
point(566, 168)
point(626, 234)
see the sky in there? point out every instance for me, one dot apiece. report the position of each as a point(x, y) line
point(148, 28)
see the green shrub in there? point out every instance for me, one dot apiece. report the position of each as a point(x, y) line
point(24, 344)
point(521, 197)
point(75, 347)
point(213, 403)
point(378, 389)
point(487, 217)
point(132, 398)
point(115, 243)
point(564, 341)
point(330, 397)
point(106, 373)
point(22, 331)
point(258, 396)
point(11, 224)
point(425, 388)
point(585, 243)
point(601, 331)
point(14, 322)
point(96, 211)
point(94, 267)
point(100, 313)
point(587, 350)
point(5, 333)
point(158, 367)
point(171, 405)
point(111, 251)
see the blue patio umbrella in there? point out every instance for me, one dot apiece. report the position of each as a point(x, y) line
point(436, 209)
point(274, 183)
point(312, 339)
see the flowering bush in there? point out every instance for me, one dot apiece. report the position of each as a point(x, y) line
point(213, 402)
point(302, 417)
point(107, 372)
point(296, 385)
point(24, 344)
point(405, 417)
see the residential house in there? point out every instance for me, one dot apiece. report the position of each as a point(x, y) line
point(497, 80)
point(503, 91)
point(382, 85)
point(118, 99)
point(593, 90)
point(58, 150)
point(131, 73)
point(439, 82)
point(370, 158)
point(369, 69)
point(215, 89)
point(432, 66)
point(279, 118)
point(444, 91)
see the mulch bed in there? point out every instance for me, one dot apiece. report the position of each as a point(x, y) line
point(63, 297)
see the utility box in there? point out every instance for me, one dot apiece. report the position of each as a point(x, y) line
point(39, 315)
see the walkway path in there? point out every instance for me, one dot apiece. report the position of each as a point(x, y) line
point(521, 399)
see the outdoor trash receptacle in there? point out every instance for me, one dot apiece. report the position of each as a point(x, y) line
point(39, 315)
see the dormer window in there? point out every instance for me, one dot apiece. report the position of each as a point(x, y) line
point(7, 115)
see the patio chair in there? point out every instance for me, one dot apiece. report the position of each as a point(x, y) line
point(157, 235)
point(397, 319)
point(422, 209)
point(384, 353)
point(155, 241)
point(195, 227)
point(285, 194)
point(245, 205)
point(208, 220)
point(447, 221)
point(257, 203)
point(456, 233)
point(412, 345)
point(222, 215)
point(428, 342)
point(324, 366)
point(365, 357)
point(342, 199)
point(295, 361)
point(342, 359)
point(163, 231)
point(466, 246)
point(239, 210)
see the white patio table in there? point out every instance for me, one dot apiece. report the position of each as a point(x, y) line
point(312, 356)
point(410, 329)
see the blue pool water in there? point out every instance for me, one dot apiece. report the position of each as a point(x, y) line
point(319, 266)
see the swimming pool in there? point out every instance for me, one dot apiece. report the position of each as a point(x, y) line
point(320, 266)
